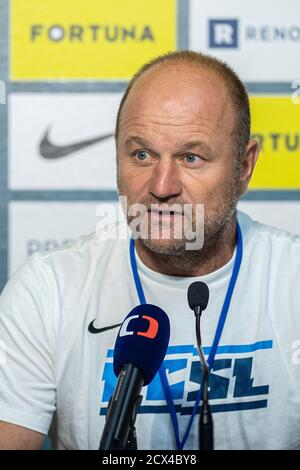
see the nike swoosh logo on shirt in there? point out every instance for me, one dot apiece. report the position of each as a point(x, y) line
point(51, 151)
point(94, 330)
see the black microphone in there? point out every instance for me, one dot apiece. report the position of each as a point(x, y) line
point(140, 348)
point(198, 296)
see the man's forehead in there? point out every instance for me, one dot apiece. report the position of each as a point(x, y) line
point(145, 126)
point(170, 120)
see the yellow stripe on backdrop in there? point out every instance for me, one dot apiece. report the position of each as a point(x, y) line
point(276, 124)
point(88, 39)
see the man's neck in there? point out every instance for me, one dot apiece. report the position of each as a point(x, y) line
point(211, 257)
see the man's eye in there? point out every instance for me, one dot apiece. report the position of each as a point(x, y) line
point(191, 158)
point(142, 155)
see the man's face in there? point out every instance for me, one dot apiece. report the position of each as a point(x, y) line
point(175, 145)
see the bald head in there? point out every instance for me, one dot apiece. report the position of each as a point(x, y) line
point(189, 76)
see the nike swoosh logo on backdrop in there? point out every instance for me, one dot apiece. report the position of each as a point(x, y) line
point(51, 151)
point(94, 330)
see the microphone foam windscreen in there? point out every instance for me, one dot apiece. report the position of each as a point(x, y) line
point(198, 295)
point(143, 340)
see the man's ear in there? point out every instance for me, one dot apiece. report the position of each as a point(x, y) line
point(248, 162)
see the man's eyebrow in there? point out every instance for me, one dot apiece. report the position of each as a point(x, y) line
point(137, 140)
point(193, 144)
point(183, 147)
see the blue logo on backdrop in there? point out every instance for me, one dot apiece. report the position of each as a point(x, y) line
point(231, 381)
point(223, 33)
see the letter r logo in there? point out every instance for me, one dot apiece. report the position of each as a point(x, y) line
point(223, 33)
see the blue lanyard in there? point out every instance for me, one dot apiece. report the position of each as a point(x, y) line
point(213, 350)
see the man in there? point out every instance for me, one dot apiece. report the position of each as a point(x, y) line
point(182, 137)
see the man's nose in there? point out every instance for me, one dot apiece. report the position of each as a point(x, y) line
point(165, 180)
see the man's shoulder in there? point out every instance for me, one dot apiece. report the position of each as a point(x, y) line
point(87, 249)
point(277, 239)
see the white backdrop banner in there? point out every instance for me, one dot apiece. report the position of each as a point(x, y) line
point(62, 140)
point(260, 40)
point(41, 226)
point(281, 214)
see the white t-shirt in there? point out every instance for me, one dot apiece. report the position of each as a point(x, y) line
point(57, 371)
